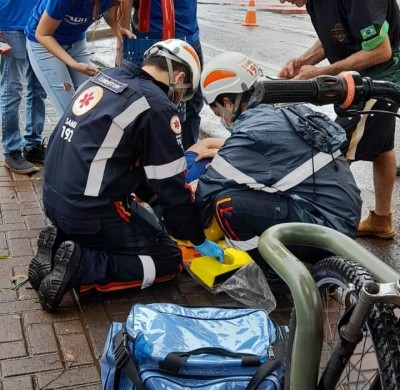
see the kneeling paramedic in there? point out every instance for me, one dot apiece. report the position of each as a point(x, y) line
point(120, 135)
point(278, 165)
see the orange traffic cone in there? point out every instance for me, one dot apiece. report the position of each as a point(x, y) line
point(250, 19)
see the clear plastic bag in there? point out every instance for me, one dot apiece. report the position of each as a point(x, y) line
point(249, 286)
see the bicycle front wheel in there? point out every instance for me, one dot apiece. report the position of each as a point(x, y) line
point(375, 363)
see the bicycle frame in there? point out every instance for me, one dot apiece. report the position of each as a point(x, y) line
point(307, 344)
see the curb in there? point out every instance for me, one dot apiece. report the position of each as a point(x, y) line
point(282, 9)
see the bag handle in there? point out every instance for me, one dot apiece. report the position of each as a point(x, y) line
point(174, 361)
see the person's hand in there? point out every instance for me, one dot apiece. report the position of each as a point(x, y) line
point(126, 32)
point(290, 69)
point(86, 69)
point(120, 44)
point(193, 185)
point(308, 72)
point(208, 153)
point(210, 248)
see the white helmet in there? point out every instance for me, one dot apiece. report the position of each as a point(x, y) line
point(179, 51)
point(229, 72)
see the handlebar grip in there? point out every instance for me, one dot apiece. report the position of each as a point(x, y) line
point(319, 90)
point(346, 90)
point(285, 91)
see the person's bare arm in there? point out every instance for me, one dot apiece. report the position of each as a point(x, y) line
point(312, 56)
point(358, 61)
point(120, 27)
point(44, 34)
point(207, 147)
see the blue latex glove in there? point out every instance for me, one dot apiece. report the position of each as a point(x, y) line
point(209, 248)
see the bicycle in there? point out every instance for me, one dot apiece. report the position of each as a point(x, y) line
point(353, 288)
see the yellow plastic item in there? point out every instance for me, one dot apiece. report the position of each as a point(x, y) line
point(214, 232)
point(211, 272)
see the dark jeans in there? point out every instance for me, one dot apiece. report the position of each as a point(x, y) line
point(244, 215)
point(125, 247)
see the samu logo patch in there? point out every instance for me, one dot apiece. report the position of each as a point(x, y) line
point(87, 100)
point(368, 32)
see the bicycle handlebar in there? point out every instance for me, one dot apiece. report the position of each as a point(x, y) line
point(346, 89)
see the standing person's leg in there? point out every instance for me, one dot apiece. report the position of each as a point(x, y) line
point(53, 74)
point(379, 223)
point(80, 53)
point(384, 173)
point(371, 138)
point(34, 149)
point(12, 66)
point(191, 125)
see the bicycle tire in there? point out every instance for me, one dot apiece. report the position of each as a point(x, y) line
point(381, 333)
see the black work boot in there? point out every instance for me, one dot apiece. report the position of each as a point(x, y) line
point(16, 163)
point(40, 265)
point(63, 277)
point(35, 155)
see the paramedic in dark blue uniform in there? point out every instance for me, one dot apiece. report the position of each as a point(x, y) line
point(280, 164)
point(120, 135)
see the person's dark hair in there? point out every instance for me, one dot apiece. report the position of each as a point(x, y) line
point(232, 96)
point(161, 63)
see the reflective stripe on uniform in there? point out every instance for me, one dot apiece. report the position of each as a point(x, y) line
point(291, 180)
point(149, 270)
point(110, 143)
point(245, 245)
point(165, 171)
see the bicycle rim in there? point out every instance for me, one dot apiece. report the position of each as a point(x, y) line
point(375, 361)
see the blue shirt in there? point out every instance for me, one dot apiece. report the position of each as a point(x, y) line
point(185, 19)
point(14, 14)
point(75, 15)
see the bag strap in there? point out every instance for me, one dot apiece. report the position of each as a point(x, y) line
point(124, 361)
point(275, 359)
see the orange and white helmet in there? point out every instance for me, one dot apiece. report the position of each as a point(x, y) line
point(179, 51)
point(229, 72)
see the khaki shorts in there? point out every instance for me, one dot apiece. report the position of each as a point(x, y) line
point(369, 135)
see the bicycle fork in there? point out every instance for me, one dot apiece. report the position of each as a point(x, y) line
point(350, 328)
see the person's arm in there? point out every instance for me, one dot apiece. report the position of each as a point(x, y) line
point(312, 56)
point(45, 35)
point(358, 61)
point(207, 147)
point(120, 25)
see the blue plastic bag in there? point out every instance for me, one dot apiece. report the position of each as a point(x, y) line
point(174, 348)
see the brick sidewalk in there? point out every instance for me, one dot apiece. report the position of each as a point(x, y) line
point(58, 351)
point(39, 350)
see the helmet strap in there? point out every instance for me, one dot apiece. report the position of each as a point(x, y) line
point(172, 87)
point(234, 114)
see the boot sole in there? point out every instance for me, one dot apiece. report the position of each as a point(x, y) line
point(58, 282)
point(384, 236)
point(40, 265)
point(23, 171)
point(34, 160)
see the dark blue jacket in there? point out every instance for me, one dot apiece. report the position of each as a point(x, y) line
point(267, 144)
point(119, 132)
